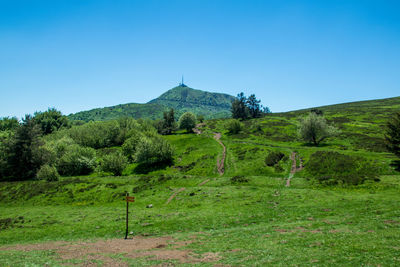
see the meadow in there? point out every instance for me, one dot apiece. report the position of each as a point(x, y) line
point(245, 217)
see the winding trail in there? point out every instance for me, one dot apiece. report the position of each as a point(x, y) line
point(294, 168)
point(220, 163)
point(174, 194)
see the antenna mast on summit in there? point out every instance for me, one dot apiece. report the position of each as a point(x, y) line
point(182, 80)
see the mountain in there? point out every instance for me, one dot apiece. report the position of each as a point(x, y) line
point(180, 98)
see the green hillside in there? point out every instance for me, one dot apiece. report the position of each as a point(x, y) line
point(180, 98)
point(252, 214)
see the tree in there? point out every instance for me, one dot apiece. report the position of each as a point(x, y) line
point(187, 121)
point(239, 108)
point(114, 163)
point(314, 129)
point(392, 136)
point(168, 124)
point(153, 150)
point(50, 120)
point(244, 108)
point(7, 123)
point(253, 105)
point(26, 154)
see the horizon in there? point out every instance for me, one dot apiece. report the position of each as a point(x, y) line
point(76, 56)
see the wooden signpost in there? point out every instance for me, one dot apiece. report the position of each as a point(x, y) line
point(128, 199)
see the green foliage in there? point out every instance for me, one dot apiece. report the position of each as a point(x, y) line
point(7, 123)
point(50, 120)
point(130, 144)
point(153, 150)
point(181, 99)
point(239, 179)
point(234, 126)
point(168, 124)
point(48, 173)
point(392, 136)
point(77, 160)
point(24, 156)
point(273, 158)
point(187, 121)
point(114, 163)
point(200, 118)
point(239, 108)
point(314, 129)
point(332, 168)
point(254, 106)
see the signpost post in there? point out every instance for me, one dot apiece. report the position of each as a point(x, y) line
point(128, 199)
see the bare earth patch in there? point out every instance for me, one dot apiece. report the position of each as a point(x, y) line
point(158, 248)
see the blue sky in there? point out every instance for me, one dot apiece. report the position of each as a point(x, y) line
point(76, 55)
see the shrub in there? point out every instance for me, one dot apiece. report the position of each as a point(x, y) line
point(332, 168)
point(273, 158)
point(77, 160)
point(314, 129)
point(114, 163)
point(48, 173)
point(234, 126)
point(153, 150)
point(239, 179)
point(187, 121)
point(130, 144)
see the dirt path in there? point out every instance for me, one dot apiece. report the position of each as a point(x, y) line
point(220, 163)
point(294, 168)
point(197, 129)
point(155, 248)
point(174, 194)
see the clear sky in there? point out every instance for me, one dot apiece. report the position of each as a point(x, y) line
point(79, 54)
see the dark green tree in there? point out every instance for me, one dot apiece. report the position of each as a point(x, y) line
point(239, 108)
point(26, 155)
point(254, 107)
point(392, 136)
point(7, 123)
point(167, 125)
point(50, 120)
point(187, 121)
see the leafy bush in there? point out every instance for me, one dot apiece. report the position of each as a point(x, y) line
point(153, 150)
point(314, 129)
point(77, 160)
point(273, 158)
point(48, 173)
point(114, 163)
point(239, 179)
point(234, 126)
point(332, 168)
point(187, 121)
point(96, 134)
point(130, 144)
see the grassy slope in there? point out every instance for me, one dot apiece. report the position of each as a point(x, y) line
point(181, 99)
point(261, 222)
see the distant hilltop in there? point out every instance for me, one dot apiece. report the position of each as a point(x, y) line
point(181, 98)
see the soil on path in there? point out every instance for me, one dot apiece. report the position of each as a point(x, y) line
point(220, 163)
point(294, 167)
point(155, 248)
point(174, 194)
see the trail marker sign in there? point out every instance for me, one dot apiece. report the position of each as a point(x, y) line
point(128, 199)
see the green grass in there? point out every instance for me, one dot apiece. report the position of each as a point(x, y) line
point(256, 223)
point(262, 221)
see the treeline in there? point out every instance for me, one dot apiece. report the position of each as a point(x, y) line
point(47, 145)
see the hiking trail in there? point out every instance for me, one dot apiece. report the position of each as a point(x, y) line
point(294, 167)
point(220, 163)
